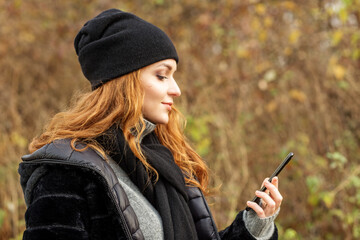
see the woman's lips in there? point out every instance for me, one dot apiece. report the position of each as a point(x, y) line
point(168, 105)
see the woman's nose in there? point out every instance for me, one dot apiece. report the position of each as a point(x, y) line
point(174, 89)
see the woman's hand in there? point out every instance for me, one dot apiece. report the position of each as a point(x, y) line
point(271, 199)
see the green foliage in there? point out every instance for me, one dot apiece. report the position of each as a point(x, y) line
point(19, 237)
point(198, 131)
point(313, 183)
point(18, 140)
point(347, 3)
point(290, 234)
point(338, 160)
point(2, 217)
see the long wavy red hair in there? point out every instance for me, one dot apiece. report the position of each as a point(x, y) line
point(119, 101)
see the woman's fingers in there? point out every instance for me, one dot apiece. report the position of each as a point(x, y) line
point(267, 190)
point(258, 210)
point(271, 199)
point(268, 204)
point(275, 181)
point(274, 192)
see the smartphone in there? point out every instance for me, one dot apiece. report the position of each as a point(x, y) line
point(277, 171)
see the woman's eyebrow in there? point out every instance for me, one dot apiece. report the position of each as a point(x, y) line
point(166, 65)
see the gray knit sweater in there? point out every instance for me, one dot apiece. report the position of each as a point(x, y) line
point(142, 207)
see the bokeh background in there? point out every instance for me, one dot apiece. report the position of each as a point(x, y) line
point(259, 78)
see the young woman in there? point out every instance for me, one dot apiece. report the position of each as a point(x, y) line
point(117, 164)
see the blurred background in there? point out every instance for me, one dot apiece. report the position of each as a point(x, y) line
point(259, 78)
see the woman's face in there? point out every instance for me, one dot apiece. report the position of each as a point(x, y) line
point(160, 90)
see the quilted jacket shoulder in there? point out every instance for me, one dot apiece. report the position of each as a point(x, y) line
point(60, 153)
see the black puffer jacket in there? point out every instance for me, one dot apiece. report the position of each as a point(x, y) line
point(76, 195)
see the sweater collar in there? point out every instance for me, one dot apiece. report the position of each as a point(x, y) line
point(149, 127)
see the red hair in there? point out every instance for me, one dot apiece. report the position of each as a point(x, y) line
point(119, 101)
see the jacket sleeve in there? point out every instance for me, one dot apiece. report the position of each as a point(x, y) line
point(237, 230)
point(57, 207)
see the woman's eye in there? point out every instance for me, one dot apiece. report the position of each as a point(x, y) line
point(160, 77)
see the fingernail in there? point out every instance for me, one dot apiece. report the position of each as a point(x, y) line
point(248, 202)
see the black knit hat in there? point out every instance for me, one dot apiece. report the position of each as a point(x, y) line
point(115, 43)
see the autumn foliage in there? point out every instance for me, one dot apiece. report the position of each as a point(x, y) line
point(258, 79)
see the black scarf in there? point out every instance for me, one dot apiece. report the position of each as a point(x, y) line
point(168, 195)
